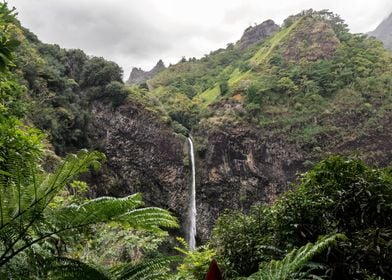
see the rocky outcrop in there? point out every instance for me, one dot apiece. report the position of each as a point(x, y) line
point(236, 166)
point(139, 76)
point(257, 33)
point(312, 39)
point(383, 32)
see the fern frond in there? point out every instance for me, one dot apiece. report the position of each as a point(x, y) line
point(149, 218)
point(69, 269)
point(107, 209)
point(98, 210)
point(27, 219)
point(155, 269)
point(186, 250)
point(21, 203)
point(24, 198)
point(295, 261)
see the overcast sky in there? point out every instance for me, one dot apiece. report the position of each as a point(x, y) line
point(137, 33)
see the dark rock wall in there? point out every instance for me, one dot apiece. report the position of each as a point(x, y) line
point(240, 166)
point(237, 167)
point(144, 155)
point(257, 33)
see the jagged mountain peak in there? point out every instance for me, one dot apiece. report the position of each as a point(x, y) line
point(303, 37)
point(159, 64)
point(139, 76)
point(383, 32)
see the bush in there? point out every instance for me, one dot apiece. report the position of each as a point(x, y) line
point(116, 93)
point(339, 195)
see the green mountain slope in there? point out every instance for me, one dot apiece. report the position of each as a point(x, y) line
point(311, 81)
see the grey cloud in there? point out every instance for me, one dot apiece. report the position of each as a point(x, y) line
point(98, 28)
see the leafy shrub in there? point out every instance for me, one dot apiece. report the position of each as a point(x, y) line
point(196, 262)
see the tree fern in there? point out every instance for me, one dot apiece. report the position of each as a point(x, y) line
point(69, 269)
point(106, 209)
point(148, 270)
point(64, 268)
point(27, 218)
point(291, 267)
point(27, 195)
point(24, 199)
point(150, 218)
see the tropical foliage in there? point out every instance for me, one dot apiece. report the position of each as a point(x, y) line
point(196, 262)
point(339, 195)
point(296, 264)
point(61, 85)
point(291, 85)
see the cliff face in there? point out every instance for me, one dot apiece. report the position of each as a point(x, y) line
point(144, 155)
point(383, 32)
point(257, 33)
point(238, 167)
point(235, 167)
point(139, 76)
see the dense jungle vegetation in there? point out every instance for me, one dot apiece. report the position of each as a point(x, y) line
point(335, 223)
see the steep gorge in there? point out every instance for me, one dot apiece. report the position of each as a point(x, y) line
point(236, 166)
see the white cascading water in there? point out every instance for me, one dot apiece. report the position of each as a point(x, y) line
point(192, 202)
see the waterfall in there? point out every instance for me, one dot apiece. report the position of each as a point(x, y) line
point(192, 201)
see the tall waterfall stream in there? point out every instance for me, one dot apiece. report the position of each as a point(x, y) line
point(192, 201)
